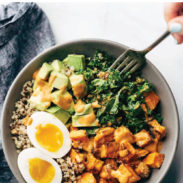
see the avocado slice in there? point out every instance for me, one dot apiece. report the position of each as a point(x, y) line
point(58, 65)
point(88, 120)
point(36, 102)
point(59, 113)
point(64, 100)
point(58, 80)
point(45, 71)
point(78, 85)
point(87, 109)
point(76, 61)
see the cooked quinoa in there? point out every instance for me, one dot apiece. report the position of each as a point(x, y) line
point(70, 171)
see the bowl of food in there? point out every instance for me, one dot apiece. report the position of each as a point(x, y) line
point(67, 119)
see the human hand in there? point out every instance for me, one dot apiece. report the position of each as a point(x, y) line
point(173, 13)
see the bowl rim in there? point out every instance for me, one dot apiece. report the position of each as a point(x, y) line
point(85, 40)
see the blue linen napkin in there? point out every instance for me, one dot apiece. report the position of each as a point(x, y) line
point(24, 32)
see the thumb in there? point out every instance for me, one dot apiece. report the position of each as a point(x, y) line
point(175, 25)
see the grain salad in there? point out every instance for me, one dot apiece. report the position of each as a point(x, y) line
point(77, 122)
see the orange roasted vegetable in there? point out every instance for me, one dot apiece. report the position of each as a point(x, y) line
point(156, 127)
point(154, 160)
point(93, 163)
point(87, 177)
point(123, 134)
point(142, 170)
point(104, 135)
point(77, 157)
point(142, 138)
point(151, 100)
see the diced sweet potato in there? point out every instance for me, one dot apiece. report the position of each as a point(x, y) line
point(143, 106)
point(109, 150)
point(153, 146)
point(106, 172)
point(110, 165)
point(157, 128)
point(122, 174)
point(154, 160)
point(102, 180)
point(142, 138)
point(104, 135)
point(151, 100)
point(77, 157)
point(88, 145)
point(93, 163)
point(108, 181)
point(131, 152)
point(122, 133)
point(134, 177)
point(79, 135)
point(141, 153)
point(123, 153)
point(142, 170)
point(87, 178)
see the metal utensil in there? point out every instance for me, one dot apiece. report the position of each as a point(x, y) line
point(131, 60)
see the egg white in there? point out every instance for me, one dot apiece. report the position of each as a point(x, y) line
point(23, 164)
point(46, 118)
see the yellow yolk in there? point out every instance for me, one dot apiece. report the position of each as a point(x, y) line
point(41, 171)
point(49, 137)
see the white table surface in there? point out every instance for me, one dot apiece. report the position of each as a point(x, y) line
point(135, 25)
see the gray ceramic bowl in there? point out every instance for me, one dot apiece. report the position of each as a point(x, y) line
point(88, 47)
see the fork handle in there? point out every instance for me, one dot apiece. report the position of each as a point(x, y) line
point(155, 43)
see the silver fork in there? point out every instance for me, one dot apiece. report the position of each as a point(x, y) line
point(131, 60)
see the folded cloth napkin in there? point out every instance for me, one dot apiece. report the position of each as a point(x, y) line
point(24, 32)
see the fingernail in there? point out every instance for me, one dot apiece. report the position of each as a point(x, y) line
point(175, 27)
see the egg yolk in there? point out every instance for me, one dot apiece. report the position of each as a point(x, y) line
point(49, 137)
point(41, 171)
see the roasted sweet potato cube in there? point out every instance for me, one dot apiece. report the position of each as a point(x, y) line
point(131, 151)
point(122, 174)
point(112, 149)
point(110, 164)
point(88, 145)
point(123, 153)
point(106, 172)
point(151, 100)
point(93, 163)
point(157, 128)
point(154, 160)
point(104, 135)
point(134, 177)
point(153, 146)
point(122, 133)
point(142, 170)
point(77, 157)
point(141, 153)
point(109, 150)
point(87, 177)
point(79, 135)
point(102, 180)
point(108, 181)
point(142, 138)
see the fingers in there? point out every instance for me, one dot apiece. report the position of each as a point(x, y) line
point(175, 26)
point(178, 38)
point(174, 17)
point(171, 10)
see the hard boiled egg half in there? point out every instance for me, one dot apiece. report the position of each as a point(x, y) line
point(49, 134)
point(37, 167)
